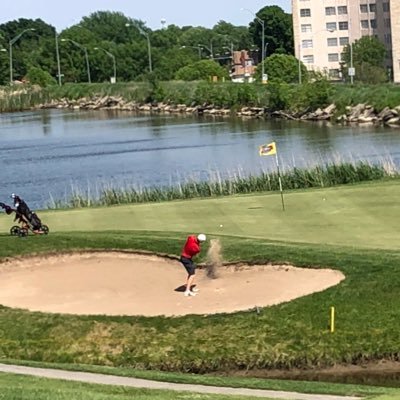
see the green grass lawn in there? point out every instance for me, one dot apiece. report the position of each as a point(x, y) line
point(354, 230)
point(30, 388)
point(362, 215)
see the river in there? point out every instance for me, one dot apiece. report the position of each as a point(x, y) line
point(47, 154)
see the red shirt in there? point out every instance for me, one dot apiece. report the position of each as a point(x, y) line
point(191, 248)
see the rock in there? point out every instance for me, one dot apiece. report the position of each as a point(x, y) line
point(387, 114)
point(393, 121)
point(366, 120)
point(330, 109)
point(355, 112)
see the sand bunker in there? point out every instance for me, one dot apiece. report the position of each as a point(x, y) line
point(131, 284)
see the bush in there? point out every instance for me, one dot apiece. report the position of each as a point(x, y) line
point(36, 76)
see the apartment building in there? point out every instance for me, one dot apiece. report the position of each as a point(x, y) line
point(322, 28)
point(395, 23)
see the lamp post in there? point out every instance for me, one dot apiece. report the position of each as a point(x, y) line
point(86, 55)
point(210, 49)
point(230, 49)
point(193, 47)
point(12, 41)
point(351, 69)
point(58, 57)
point(142, 32)
point(300, 77)
point(261, 22)
point(114, 78)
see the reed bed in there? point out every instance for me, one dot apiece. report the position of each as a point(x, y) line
point(22, 99)
point(296, 178)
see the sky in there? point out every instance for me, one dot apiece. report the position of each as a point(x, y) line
point(205, 13)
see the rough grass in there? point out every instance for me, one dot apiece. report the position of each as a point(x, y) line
point(317, 177)
point(274, 97)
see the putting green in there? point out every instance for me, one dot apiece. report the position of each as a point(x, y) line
point(361, 215)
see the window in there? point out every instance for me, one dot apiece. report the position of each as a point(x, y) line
point(363, 8)
point(344, 41)
point(341, 10)
point(364, 24)
point(387, 22)
point(372, 7)
point(308, 59)
point(386, 7)
point(343, 26)
point(388, 38)
point(330, 11)
point(331, 26)
point(307, 44)
point(305, 12)
point(374, 24)
point(332, 42)
point(333, 57)
point(306, 28)
point(334, 73)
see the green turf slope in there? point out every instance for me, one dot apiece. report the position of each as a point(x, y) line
point(362, 216)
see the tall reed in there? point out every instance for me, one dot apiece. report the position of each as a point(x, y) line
point(296, 178)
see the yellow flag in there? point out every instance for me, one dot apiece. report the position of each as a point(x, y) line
point(268, 149)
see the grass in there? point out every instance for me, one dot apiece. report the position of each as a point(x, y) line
point(316, 177)
point(223, 381)
point(354, 230)
point(361, 215)
point(276, 96)
point(14, 387)
point(289, 335)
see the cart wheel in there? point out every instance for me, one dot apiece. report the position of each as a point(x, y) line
point(45, 229)
point(23, 232)
point(14, 231)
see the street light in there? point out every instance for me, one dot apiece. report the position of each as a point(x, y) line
point(351, 69)
point(210, 49)
point(261, 22)
point(12, 41)
point(230, 49)
point(114, 78)
point(58, 57)
point(194, 47)
point(148, 43)
point(86, 55)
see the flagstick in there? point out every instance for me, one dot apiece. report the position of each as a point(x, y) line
point(280, 181)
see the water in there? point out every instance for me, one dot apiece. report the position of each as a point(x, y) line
point(46, 154)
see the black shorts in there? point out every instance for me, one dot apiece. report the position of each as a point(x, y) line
point(189, 265)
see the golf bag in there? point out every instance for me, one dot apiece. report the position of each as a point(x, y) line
point(28, 219)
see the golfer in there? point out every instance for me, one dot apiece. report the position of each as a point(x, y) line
point(191, 248)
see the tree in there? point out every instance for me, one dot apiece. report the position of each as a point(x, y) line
point(278, 30)
point(37, 76)
point(195, 36)
point(282, 68)
point(112, 26)
point(173, 60)
point(369, 55)
point(226, 35)
point(201, 70)
point(31, 49)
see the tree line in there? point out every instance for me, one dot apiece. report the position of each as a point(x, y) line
point(105, 39)
point(107, 43)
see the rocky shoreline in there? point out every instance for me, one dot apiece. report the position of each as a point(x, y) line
point(359, 114)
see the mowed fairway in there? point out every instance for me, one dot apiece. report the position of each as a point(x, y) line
point(364, 215)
